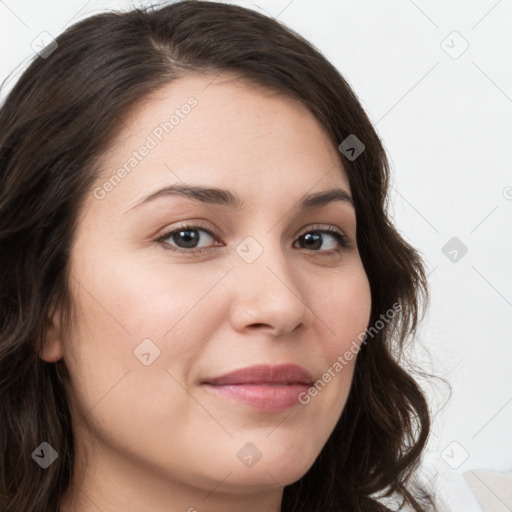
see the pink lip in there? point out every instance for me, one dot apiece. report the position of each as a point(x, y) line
point(265, 387)
point(265, 374)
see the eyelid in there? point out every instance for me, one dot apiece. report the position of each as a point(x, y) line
point(320, 227)
point(188, 224)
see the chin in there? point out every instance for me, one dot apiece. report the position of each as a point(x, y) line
point(266, 477)
point(278, 469)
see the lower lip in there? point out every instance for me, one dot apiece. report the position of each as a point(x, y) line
point(265, 397)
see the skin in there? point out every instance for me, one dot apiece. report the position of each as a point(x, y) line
point(154, 437)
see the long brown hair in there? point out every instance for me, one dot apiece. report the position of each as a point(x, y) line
point(57, 121)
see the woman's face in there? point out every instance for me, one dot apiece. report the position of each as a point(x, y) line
point(253, 283)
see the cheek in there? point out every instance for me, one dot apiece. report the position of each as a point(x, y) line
point(132, 347)
point(346, 316)
point(128, 315)
point(127, 298)
point(345, 309)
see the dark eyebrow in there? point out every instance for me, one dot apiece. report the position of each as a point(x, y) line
point(224, 197)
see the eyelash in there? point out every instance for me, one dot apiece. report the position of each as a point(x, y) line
point(342, 239)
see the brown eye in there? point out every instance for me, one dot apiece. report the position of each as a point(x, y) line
point(187, 238)
point(316, 238)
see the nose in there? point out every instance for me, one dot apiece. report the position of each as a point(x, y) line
point(268, 296)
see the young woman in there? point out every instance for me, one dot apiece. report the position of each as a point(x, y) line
point(202, 295)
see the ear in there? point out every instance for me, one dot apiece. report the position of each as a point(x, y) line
point(52, 349)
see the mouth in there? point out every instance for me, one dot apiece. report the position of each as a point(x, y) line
point(283, 374)
point(269, 397)
point(264, 387)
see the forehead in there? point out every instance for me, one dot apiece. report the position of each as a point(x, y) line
point(221, 131)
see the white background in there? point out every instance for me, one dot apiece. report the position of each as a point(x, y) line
point(446, 122)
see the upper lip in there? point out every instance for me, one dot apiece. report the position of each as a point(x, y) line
point(264, 373)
